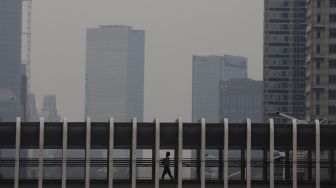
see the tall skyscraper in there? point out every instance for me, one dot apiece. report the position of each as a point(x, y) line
point(114, 73)
point(321, 60)
point(208, 71)
point(284, 58)
point(49, 109)
point(241, 99)
point(33, 113)
point(10, 49)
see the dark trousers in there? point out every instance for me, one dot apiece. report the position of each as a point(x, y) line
point(167, 171)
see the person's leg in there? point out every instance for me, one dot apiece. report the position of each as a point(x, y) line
point(164, 173)
point(169, 173)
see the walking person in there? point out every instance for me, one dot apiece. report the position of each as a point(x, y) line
point(166, 166)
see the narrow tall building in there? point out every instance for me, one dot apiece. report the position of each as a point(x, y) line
point(208, 72)
point(284, 58)
point(49, 109)
point(10, 52)
point(321, 60)
point(114, 73)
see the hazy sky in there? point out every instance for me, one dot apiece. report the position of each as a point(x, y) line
point(175, 30)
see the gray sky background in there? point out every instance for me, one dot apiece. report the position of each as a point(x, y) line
point(175, 30)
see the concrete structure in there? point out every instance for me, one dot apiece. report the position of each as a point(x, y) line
point(10, 48)
point(241, 98)
point(9, 105)
point(255, 147)
point(114, 73)
point(208, 71)
point(321, 60)
point(284, 58)
point(49, 109)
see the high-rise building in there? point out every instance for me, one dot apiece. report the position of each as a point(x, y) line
point(284, 58)
point(208, 71)
point(33, 114)
point(321, 60)
point(10, 49)
point(9, 105)
point(49, 109)
point(114, 73)
point(241, 99)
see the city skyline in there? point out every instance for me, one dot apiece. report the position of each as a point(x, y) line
point(58, 42)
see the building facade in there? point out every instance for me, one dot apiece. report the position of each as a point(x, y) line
point(49, 109)
point(114, 73)
point(10, 49)
point(321, 60)
point(33, 114)
point(9, 105)
point(208, 71)
point(241, 99)
point(284, 58)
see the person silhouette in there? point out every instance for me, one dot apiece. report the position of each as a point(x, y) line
point(166, 168)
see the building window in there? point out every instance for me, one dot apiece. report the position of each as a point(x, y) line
point(332, 3)
point(332, 33)
point(317, 110)
point(318, 64)
point(317, 95)
point(318, 49)
point(332, 94)
point(332, 18)
point(332, 48)
point(332, 79)
point(332, 63)
point(318, 34)
point(332, 110)
point(318, 79)
point(318, 4)
point(318, 18)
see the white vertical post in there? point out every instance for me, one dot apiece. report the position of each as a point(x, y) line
point(64, 151)
point(157, 153)
point(294, 154)
point(271, 153)
point(180, 150)
point(248, 154)
point(17, 152)
point(111, 146)
point(318, 154)
point(41, 144)
point(134, 146)
point(203, 147)
point(87, 153)
point(226, 153)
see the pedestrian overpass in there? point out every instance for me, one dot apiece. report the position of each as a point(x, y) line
point(127, 154)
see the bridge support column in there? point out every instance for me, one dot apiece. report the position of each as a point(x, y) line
point(64, 152)
point(110, 157)
point(271, 153)
point(203, 148)
point(180, 150)
point(318, 154)
point(134, 147)
point(41, 144)
point(17, 152)
point(248, 154)
point(87, 153)
point(157, 153)
point(226, 154)
point(294, 154)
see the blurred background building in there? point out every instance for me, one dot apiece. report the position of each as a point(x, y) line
point(114, 73)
